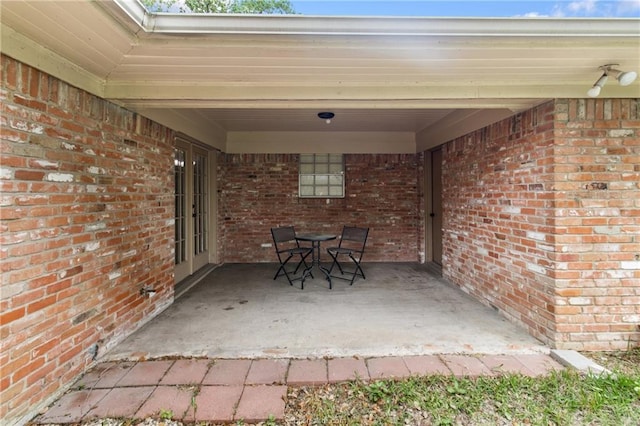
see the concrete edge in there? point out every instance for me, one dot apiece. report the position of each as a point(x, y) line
point(577, 361)
point(187, 284)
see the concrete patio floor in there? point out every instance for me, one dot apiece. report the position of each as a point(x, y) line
point(401, 309)
point(228, 349)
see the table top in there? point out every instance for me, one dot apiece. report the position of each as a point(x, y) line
point(316, 237)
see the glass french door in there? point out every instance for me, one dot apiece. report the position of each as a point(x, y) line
point(436, 205)
point(191, 170)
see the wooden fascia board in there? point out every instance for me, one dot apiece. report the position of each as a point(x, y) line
point(31, 53)
point(213, 94)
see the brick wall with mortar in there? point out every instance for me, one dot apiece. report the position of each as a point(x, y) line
point(542, 221)
point(498, 217)
point(597, 195)
point(383, 192)
point(87, 221)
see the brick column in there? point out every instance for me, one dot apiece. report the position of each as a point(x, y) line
point(597, 190)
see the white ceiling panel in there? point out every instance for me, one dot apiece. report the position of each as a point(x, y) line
point(235, 73)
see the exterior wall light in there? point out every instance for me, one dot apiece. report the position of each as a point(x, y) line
point(624, 78)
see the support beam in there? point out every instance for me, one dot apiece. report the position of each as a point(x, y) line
point(457, 124)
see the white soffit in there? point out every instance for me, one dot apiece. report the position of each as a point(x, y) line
point(244, 73)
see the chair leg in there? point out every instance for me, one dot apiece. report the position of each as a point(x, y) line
point(355, 272)
point(303, 260)
point(334, 263)
point(278, 273)
point(287, 275)
point(358, 267)
point(282, 270)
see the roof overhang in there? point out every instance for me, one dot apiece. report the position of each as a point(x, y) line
point(245, 83)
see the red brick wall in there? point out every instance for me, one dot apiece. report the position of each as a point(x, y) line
point(542, 220)
point(383, 192)
point(498, 217)
point(87, 211)
point(597, 190)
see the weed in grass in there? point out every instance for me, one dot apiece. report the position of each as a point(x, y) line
point(271, 421)
point(377, 391)
point(194, 396)
point(561, 398)
point(166, 414)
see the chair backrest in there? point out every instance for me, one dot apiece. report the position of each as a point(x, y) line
point(354, 238)
point(284, 238)
point(283, 234)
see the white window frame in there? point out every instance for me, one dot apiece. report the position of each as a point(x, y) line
point(321, 176)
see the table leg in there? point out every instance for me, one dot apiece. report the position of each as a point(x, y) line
point(324, 270)
point(315, 261)
point(307, 271)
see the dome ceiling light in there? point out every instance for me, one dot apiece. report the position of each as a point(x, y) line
point(326, 116)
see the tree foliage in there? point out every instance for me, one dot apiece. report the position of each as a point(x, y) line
point(272, 7)
point(158, 5)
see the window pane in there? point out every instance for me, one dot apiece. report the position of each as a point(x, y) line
point(321, 175)
point(306, 191)
point(335, 191)
point(335, 180)
point(180, 254)
point(322, 168)
point(306, 180)
point(321, 190)
point(306, 158)
point(322, 180)
point(322, 158)
point(335, 168)
point(335, 158)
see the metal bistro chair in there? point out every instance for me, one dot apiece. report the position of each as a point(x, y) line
point(352, 243)
point(286, 245)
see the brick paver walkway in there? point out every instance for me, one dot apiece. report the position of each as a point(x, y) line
point(228, 390)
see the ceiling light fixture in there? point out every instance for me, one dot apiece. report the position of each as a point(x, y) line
point(624, 78)
point(326, 116)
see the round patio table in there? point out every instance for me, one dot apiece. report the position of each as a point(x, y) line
point(315, 240)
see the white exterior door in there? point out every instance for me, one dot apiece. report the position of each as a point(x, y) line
point(192, 209)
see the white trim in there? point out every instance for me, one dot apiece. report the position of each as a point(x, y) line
point(321, 142)
point(134, 10)
point(376, 25)
point(33, 54)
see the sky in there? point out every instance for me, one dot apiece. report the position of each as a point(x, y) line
point(472, 8)
point(461, 8)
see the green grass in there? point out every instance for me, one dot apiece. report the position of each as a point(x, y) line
point(562, 398)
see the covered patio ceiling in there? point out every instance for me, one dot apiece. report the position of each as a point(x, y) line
point(236, 81)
